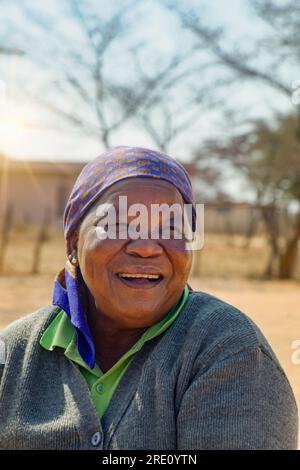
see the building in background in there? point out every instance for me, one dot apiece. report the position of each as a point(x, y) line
point(35, 191)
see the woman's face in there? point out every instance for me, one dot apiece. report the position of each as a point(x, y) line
point(133, 302)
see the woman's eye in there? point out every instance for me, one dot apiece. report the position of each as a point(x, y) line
point(121, 230)
point(170, 231)
point(112, 230)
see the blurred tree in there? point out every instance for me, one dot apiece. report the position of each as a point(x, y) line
point(269, 157)
point(268, 57)
point(275, 172)
point(105, 75)
point(10, 51)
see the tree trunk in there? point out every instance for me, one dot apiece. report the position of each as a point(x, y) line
point(41, 239)
point(270, 217)
point(5, 235)
point(270, 268)
point(288, 258)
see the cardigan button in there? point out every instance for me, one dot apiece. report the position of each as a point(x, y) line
point(96, 439)
point(100, 388)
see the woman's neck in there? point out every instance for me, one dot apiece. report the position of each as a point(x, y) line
point(112, 341)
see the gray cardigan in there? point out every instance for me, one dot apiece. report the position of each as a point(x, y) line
point(210, 381)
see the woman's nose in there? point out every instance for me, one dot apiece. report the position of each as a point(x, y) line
point(144, 248)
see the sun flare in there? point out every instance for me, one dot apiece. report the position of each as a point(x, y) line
point(12, 132)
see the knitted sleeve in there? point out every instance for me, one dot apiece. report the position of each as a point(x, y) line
point(241, 402)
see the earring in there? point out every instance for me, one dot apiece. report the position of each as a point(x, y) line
point(73, 258)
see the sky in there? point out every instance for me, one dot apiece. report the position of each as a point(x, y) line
point(29, 131)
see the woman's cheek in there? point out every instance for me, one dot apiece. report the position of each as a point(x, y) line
point(179, 256)
point(91, 241)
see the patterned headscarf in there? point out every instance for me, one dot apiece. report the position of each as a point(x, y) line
point(113, 165)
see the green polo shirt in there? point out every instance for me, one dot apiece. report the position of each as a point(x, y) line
point(61, 333)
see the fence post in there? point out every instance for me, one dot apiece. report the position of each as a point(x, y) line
point(42, 237)
point(5, 234)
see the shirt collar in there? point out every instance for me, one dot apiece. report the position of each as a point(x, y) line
point(61, 333)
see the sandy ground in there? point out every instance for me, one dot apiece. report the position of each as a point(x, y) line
point(274, 306)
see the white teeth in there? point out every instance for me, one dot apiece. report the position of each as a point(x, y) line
point(149, 276)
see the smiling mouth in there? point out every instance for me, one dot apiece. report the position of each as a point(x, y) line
point(140, 280)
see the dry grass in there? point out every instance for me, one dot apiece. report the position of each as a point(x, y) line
point(222, 256)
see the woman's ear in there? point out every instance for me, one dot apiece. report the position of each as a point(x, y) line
point(71, 244)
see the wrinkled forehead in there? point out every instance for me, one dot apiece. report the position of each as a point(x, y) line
point(140, 190)
point(137, 190)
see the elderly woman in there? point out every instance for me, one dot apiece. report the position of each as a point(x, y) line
point(128, 356)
